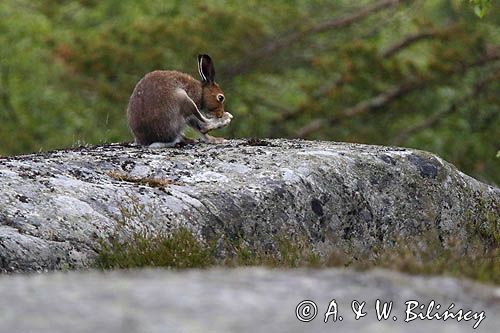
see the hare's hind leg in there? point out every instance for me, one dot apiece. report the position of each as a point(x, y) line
point(188, 106)
point(201, 129)
point(166, 144)
point(182, 139)
point(211, 139)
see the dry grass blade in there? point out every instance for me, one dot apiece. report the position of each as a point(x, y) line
point(146, 181)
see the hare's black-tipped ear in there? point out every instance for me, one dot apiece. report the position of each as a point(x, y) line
point(206, 68)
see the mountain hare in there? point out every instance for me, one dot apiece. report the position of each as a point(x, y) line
point(164, 102)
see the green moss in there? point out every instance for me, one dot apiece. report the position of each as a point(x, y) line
point(483, 227)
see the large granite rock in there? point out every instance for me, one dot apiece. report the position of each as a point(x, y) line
point(242, 300)
point(56, 207)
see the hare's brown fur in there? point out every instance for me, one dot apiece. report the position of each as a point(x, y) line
point(148, 105)
point(163, 103)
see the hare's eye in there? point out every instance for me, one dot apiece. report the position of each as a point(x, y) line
point(220, 98)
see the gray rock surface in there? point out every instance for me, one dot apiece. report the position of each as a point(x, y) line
point(242, 300)
point(56, 207)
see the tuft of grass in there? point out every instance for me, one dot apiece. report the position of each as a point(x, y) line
point(146, 181)
point(181, 249)
point(475, 262)
point(288, 253)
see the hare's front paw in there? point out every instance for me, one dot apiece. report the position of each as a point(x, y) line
point(226, 119)
point(214, 123)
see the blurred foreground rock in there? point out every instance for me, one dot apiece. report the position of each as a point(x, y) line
point(56, 207)
point(241, 300)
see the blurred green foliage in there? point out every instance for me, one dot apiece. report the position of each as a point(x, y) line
point(421, 74)
point(481, 6)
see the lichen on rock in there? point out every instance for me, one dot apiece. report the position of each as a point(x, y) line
point(57, 207)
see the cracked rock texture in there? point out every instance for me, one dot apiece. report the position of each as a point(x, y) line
point(56, 207)
point(241, 300)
